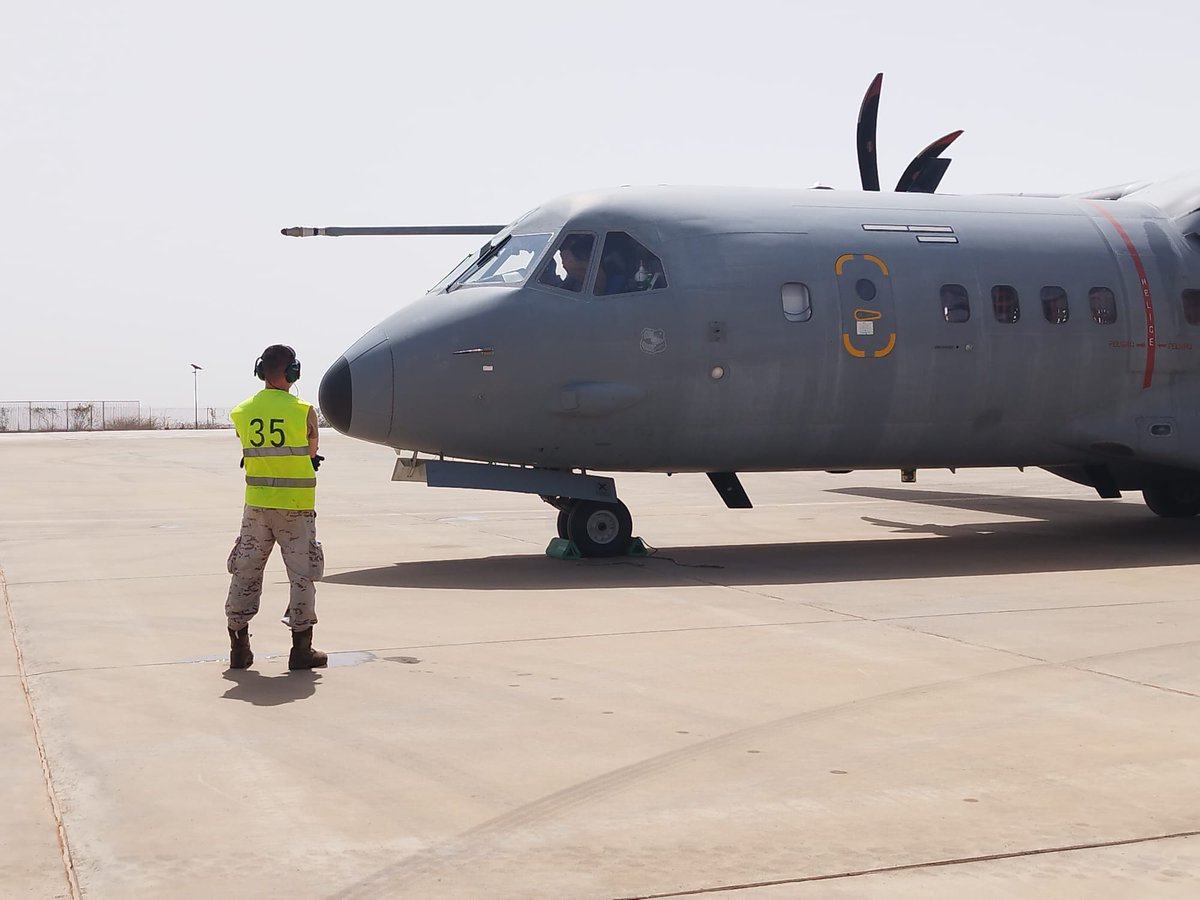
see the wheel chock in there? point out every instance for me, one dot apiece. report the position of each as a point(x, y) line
point(637, 547)
point(561, 548)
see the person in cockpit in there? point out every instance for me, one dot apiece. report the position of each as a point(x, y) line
point(613, 276)
point(573, 256)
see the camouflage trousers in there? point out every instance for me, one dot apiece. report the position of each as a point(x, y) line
point(295, 530)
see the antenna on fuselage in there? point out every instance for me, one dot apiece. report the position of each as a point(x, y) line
point(923, 174)
point(335, 231)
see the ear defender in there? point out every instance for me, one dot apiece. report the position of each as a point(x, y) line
point(291, 372)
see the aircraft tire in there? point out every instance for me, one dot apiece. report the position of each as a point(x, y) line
point(1173, 499)
point(563, 514)
point(600, 529)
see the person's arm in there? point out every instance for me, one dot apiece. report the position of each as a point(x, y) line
point(312, 432)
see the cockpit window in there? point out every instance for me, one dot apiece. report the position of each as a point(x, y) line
point(505, 263)
point(626, 265)
point(455, 274)
point(568, 267)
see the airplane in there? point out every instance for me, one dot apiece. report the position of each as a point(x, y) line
point(726, 330)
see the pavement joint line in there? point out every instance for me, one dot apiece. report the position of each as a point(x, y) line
point(64, 845)
point(977, 646)
point(604, 634)
point(92, 580)
point(1146, 684)
point(524, 640)
point(1073, 665)
point(1079, 660)
point(1023, 609)
point(909, 867)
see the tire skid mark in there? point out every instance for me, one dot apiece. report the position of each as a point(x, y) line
point(475, 842)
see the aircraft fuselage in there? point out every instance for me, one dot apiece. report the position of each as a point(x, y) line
point(807, 330)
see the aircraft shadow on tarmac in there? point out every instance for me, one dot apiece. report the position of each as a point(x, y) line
point(1055, 535)
point(251, 686)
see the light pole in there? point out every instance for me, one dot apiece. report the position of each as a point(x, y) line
point(196, 391)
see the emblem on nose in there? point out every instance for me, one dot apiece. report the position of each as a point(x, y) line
point(654, 340)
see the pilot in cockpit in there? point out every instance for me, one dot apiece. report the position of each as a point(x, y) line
point(574, 255)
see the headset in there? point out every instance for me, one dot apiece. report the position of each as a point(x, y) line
point(291, 373)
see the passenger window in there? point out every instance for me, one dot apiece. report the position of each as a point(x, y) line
point(1006, 303)
point(1191, 306)
point(955, 305)
point(1103, 304)
point(1054, 304)
point(797, 302)
point(568, 267)
point(626, 266)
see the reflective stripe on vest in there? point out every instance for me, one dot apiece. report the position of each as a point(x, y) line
point(281, 482)
point(275, 451)
point(273, 429)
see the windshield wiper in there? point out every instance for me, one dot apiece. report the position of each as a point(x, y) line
point(486, 252)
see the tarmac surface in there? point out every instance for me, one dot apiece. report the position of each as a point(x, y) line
point(983, 684)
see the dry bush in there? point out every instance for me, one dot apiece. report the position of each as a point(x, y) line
point(135, 423)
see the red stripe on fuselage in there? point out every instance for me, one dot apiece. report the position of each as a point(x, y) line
point(1147, 300)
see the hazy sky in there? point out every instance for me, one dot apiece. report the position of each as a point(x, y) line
point(151, 151)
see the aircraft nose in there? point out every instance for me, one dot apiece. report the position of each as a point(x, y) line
point(356, 393)
point(336, 395)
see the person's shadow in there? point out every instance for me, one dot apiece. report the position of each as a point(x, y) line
point(250, 686)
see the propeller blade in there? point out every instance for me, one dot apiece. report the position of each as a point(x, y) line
point(868, 113)
point(929, 177)
point(925, 172)
point(306, 231)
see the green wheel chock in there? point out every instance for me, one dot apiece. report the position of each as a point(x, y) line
point(561, 548)
point(637, 547)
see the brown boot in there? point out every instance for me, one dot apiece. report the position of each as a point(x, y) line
point(303, 656)
point(240, 656)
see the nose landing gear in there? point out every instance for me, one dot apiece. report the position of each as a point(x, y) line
point(596, 528)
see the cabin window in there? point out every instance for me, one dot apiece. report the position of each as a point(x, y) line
point(568, 267)
point(1103, 304)
point(797, 302)
point(509, 265)
point(1054, 304)
point(626, 265)
point(1191, 306)
point(956, 307)
point(1006, 304)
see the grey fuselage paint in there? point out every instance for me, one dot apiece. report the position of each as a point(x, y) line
point(708, 374)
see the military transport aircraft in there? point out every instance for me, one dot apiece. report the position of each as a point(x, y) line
point(726, 330)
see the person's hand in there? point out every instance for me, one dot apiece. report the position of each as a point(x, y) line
point(316, 461)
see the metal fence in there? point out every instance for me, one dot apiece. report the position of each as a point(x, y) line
point(104, 415)
point(190, 417)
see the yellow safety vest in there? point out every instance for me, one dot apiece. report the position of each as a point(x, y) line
point(273, 428)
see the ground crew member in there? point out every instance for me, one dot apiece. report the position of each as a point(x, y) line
point(278, 432)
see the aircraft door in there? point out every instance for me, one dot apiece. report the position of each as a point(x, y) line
point(867, 306)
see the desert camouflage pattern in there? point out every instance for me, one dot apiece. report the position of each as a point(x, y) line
point(295, 530)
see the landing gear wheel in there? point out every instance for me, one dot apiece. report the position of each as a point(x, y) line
point(562, 523)
point(600, 529)
point(1173, 499)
